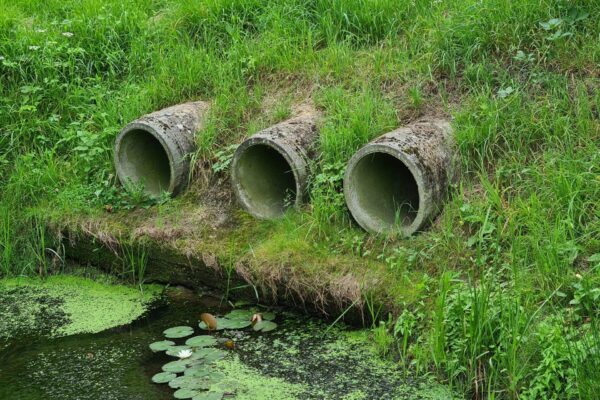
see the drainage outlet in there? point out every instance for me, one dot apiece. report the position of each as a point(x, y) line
point(269, 171)
point(398, 183)
point(153, 152)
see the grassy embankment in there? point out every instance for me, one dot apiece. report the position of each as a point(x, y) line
point(505, 283)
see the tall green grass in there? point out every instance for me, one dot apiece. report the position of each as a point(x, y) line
point(512, 264)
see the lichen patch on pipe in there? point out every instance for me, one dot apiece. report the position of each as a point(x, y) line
point(270, 170)
point(399, 181)
point(154, 150)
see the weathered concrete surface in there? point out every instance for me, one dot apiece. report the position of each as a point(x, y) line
point(400, 181)
point(270, 170)
point(154, 149)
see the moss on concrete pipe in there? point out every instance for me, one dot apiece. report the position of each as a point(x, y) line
point(270, 170)
point(154, 149)
point(399, 181)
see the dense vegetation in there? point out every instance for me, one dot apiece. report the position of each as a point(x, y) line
point(512, 267)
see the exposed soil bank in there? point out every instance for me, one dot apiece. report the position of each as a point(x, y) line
point(210, 245)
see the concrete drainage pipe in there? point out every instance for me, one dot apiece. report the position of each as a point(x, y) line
point(153, 150)
point(270, 170)
point(399, 181)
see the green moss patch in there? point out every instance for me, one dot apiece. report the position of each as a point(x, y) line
point(68, 305)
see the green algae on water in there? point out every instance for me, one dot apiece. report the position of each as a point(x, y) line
point(255, 385)
point(67, 305)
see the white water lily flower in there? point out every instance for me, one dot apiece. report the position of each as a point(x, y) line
point(184, 354)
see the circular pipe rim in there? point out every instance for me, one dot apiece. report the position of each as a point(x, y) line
point(289, 157)
point(142, 126)
point(352, 202)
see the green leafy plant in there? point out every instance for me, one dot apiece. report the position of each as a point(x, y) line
point(224, 158)
point(194, 374)
point(240, 319)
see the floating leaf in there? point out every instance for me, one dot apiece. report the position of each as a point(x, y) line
point(212, 355)
point(189, 382)
point(212, 395)
point(226, 386)
point(240, 314)
point(178, 332)
point(269, 316)
point(209, 321)
point(161, 346)
point(185, 393)
point(198, 370)
point(226, 323)
point(174, 350)
point(265, 326)
point(175, 366)
point(201, 341)
point(163, 377)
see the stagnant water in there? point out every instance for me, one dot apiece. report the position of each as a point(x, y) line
point(117, 364)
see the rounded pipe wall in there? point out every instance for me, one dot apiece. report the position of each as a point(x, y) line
point(399, 181)
point(270, 170)
point(154, 150)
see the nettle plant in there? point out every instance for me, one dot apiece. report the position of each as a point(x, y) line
point(194, 374)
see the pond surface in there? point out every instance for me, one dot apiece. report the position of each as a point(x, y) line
point(301, 359)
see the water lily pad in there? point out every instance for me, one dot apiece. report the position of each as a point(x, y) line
point(226, 386)
point(268, 316)
point(226, 323)
point(198, 370)
point(190, 382)
point(185, 393)
point(209, 396)
point(178, 332)
point(264, 326)
point(175, 366)
point(211, 355)
point(163, 377)
point(174, 350)
point(240, 314)
point(201, 341)
point(161, 346)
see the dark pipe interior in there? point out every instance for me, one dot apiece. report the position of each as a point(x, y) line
point(386, 190)
point(266, 180)
point(144, 160)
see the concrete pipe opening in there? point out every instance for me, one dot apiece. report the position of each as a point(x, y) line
point(398, 183)
point(385, 194)
point(265, 181)
point(154, 150)
point(270, 169)
point(143, 159)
